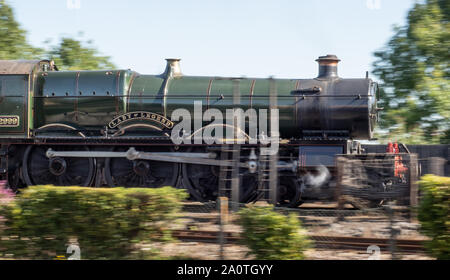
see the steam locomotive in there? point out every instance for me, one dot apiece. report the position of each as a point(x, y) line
point(115, 128)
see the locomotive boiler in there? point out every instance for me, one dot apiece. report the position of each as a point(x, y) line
point(114, 127)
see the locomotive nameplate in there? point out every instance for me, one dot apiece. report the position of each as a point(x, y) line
point(141, 116)
point(9, 121)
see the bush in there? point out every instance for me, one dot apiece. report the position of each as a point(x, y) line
point(434, 214)
point(105, 223)
point(272, 236)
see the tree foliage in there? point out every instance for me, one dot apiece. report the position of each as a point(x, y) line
point(71, 54)
point(13, 43)
point(414, 69)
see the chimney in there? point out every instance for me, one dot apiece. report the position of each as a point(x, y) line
point(173, 68)
point(328, 66)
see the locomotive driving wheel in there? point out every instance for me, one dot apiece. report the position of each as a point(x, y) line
point(202, 182)
point(121, 172)
point(38, 169)
point(289, 191)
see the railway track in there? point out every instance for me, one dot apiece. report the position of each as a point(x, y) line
point(198, 207)
point(330, 242)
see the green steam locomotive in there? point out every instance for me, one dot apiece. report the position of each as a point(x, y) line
point(116, 128)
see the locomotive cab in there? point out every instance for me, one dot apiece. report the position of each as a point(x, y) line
point(16, 91)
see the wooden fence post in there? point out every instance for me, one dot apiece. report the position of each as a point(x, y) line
point(436, 166)
point(222, 203)
point(413, 186)
point(339, 186)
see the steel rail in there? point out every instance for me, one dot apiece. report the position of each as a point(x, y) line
point(320, 241)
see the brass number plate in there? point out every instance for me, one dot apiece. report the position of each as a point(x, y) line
point(9, 121)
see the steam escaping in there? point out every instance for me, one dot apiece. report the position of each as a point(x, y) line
point(319, 179)
point(315, 181)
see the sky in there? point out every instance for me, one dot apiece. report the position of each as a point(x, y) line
point(251, 38)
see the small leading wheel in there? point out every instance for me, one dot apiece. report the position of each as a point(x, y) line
point(121, 172)
point(38, 169)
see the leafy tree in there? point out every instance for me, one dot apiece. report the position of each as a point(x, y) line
point(69, 54)
point(414, 69)
point(72, 54)
point(13, 43)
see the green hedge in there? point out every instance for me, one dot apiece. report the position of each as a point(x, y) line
point(106, 223)
point(434, 214)
point(272, 236)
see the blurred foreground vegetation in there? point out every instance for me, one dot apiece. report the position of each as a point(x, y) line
point(43, 221)
point(434, 214)
point(272, 236)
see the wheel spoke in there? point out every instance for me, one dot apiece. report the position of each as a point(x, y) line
point(140, 174)
point(203, 182)
point(38, 169)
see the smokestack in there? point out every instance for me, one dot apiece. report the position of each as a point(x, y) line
point(173, 68)
point(328, 66)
